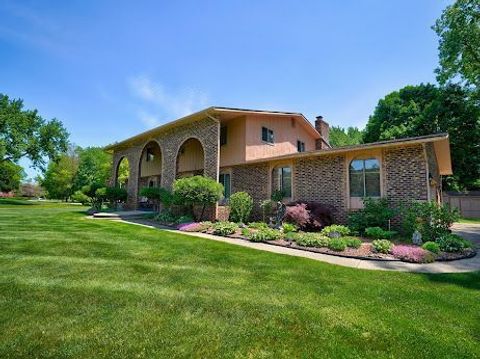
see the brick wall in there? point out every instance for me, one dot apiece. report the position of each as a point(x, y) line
point(252, 179)
point(322, 179)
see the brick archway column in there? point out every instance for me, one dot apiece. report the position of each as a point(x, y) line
point(133, 156)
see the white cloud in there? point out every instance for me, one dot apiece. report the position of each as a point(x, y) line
point(164, 103)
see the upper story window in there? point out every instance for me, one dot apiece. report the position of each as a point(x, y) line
point(267, 135)
point(149, 155)
point(282, 177)
point(300, 146)
point(223, 135)
point(365, 178)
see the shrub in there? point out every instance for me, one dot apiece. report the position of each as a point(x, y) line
point(431, 219)
point(263, 235)
point(267, 207)
point(116, 194)
point(311, 240)
point(81, 197)
point(337, 244)
point(375, 213)
point(224, 228)
point(197, 190)
point(382, 245)
point(453, 243)
point(336, 230)
point(186, 218)
point(288, 227)
point(166, 217)
point(298, 215)
point(431, 246)
point(241, 204)
point(309, 216)
point(378, 233)
point(412, 254)
point(258, 225)
point(278, 195)
point(157, 195)
point(352, 242)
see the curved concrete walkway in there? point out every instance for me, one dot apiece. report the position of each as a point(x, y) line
point(470, 231)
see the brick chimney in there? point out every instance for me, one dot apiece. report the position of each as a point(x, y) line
point(323, 128)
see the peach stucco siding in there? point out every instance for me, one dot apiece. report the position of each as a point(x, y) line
point(286, 132)
point(233, 152)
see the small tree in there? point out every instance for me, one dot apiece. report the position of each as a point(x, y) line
point(97, 194)
point(241, 204)
point(197, 190)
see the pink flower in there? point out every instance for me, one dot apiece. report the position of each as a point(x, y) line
point(190, 227)
point(412, 254)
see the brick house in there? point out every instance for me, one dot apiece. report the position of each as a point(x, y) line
point(263, 151)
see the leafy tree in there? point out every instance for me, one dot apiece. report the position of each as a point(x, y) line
point(198, 190)
point(58, 179)
point(31, 189)
point(123, 173)
point(345, 136)
point(459, 45)
point(426, 109)
point(95, 166)
point(11, 175)
point(24, 133)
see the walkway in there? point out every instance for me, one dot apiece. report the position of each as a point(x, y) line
point(471, 232)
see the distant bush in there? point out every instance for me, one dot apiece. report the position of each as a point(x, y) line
point(224, 228)
point(431, 246)
point(337, 244)
point(453, 243)
point(336, 230)
point(241, 205)
point(375, 213)
point(81, 197)
point(412, 254)
point(382, 245)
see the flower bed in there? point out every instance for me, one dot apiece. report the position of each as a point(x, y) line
point(334, 240)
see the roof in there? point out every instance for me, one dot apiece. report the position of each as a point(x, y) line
point(212, 111)
point(440, 141)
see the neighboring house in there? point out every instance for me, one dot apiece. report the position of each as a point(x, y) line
point(263, 151)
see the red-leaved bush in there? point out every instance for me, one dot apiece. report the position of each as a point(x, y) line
point(309, 216)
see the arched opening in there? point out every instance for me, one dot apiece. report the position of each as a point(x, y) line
point(123, 173)
point(190, 159)
point(149, 170)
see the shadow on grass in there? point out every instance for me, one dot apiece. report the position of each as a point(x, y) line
point(16, 202)
point(469, 280)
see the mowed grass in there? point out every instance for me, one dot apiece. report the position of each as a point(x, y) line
point(75, 287)
point(469, 220)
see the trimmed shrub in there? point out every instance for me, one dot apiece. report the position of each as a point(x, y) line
point(311, 240)
point(197, 190)
point(382, 245)
point(263, 235)
point(352, 242)
point(337, 244)
point(80, 197)
point(241, 205)
point(116, 194)
point(157, 195)
point(336, 230)
point(375, 213)
point(379, 233)
point(453, 243)
point(289, 227)
point(431, 246)
point(412, 254)
point(431, 219)
point(224, 228)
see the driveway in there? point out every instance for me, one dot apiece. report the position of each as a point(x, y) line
point(468, 231)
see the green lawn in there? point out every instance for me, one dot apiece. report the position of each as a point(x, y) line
point(469, 220)
point(74, 287)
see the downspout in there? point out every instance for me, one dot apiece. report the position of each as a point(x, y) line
point(429, 196)
point(218, 158)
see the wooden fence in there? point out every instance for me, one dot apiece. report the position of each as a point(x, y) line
point(467, 203)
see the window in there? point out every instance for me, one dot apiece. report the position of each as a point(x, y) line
point(149, 155)
point(365, 178)
point(283, 180)
point(267, 135)
point(300, 146)
point(224, 179)
point(223, 135)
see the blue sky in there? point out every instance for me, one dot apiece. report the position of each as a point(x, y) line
point(110, 69)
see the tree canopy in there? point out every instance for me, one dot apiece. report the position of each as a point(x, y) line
point(345, 136)
point(426, 109)
point(458, 29)
point(11, 175)
point(24, 133)
point(95, 166)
